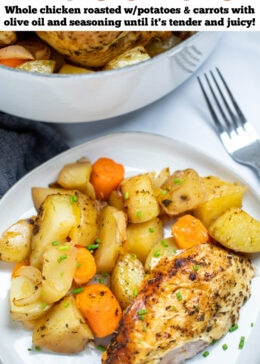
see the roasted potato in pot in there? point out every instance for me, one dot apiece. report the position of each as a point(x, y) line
point(128, 58)
point(7, 38)
point(63, 329)
point(15, 242)
point(126, 278)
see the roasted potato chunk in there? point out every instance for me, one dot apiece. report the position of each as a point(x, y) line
point(7, 38)
point(126, 278)
point(69, 69)
point(141, 238)
point(56, 220)
point(237, 230)
point(183, 191)
point(165, 248)
point(112, 234)
point(139, 197)
point(40, 66)
point(221, 197)
point(59, 265)
point(116, 200)
point(39, 194)
point(75, 175)
point(63, 329)
point(15, 242)
point(128, 58)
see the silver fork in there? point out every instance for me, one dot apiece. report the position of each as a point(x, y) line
point(235, 132)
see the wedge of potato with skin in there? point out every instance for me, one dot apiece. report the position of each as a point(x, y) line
point(75, 175)
point(39, 66)
point(237, 230)
point(141, 238)
point(221, 197)
point(126, 278)
point(57, 218)
point(139, 197)
point(116, 200)
point(112, 234)
point(59, 265)
point(15, 51)
point(15, 242)
point(128, 58)
point(183, 191)
point(63, 329)
point(165, 248)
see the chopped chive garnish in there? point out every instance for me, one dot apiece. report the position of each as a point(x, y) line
point(101, 348)
point(252, 325)
point(101, 280)
point(61, 258)
point(105, 274)
point(78, 290)
point(42, 293)
point(62, 274)
point(178, 181)
point(224, 347)
point(156, 254)
point(233, 328)
point(140, 341)
point(93, 246)
point(163, 242)
point(152, 230)
point(141, 317)
point(73, 198)
point(98, 241)
point(79, 265)
point(179, 296)
point(213, 342)
point(29, 349)
point(174, 308)
point(164, 192)
point(242, 342)
point(91, 251)
point(66, 304)
point(135, 292)
point(44, 304)
point(139, 214)
point(142, 312)
point(147, 275)
point(196, 268)
point(205, 354)
point(37, 348)
point(65, 247)
point(197, 308)
point(174, 251)
point(144, 328)
point(133, 256)
point(54, 243)
point(166, 284)
point(95, 279)
point(126, 196)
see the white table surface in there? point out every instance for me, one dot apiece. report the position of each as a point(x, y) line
point(183, 114)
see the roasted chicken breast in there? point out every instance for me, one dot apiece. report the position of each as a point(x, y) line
point(95, 49)
point(185, 303)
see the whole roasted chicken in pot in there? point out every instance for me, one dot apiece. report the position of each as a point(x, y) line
point(95, 49)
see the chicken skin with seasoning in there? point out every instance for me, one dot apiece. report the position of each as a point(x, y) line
point(185, 303)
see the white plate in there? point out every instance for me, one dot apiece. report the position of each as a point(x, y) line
point(138, 152)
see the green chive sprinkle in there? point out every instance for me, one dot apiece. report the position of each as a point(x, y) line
point(242, 342)
point(163, 242)
point(152, 230)
point(42, 293)
point(61, 258)
point(174, 251)
point(62, 274)
point(95, 279)
point(135, 292)
point(205, 354)
point(93, 246)
point(66, 304)
point(164, 192)
point(105, 274)
point(213, 342)
point(101, 348)
point(44, 304)
point(101, 280)
point(179, 296)
point(65, 247)
point(91, 251)
point(174, 308)
point(144, 328)
point(98, 241)
point(196, 268)
point(139, 214)
point(178, 181)
point(54, 243)
point(140, 341)
point(73, 198)
point(126, 196)
point(142, 312)
point(37, 348)
point(78, 290)
point(141, 317)
point(166, 284)
point(233, 328)
point(147, 275)
point(29, 349)
point(133, 256)
point(156, 254)
point(252, 325)
point(79, 265)
point(197, 308)
point(224, 347)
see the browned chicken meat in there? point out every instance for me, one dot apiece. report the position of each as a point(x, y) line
point(95, 49)
point(185, 303)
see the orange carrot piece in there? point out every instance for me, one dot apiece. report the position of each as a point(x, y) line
point(86, 266)
point(17, 267)
point(100, 308)
point(12, 62)
point(106, 176)
point(189, 231)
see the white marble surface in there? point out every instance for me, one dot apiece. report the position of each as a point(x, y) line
point(183, 114)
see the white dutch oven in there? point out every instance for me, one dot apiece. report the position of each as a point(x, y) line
point(90, 97)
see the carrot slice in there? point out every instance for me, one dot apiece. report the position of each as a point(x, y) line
point(189, 231)
point(106, 176)
point(17, 267)
point(100, 308)
point(86, 266)
point(12, 62)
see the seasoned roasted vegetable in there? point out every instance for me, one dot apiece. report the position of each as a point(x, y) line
point(128, 58)
point(39, 66)
point(165, 248)
point(69, 69)
point(75, 175)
